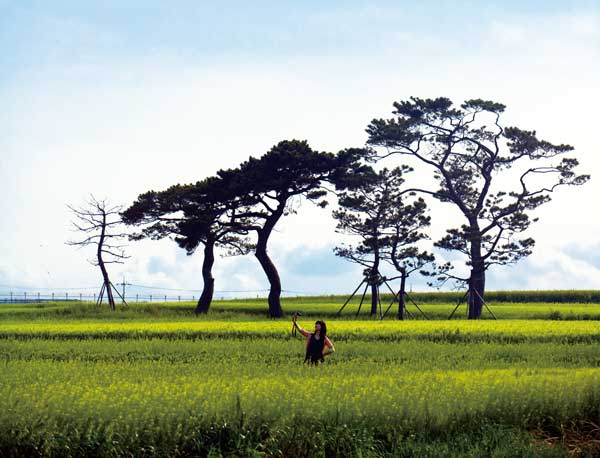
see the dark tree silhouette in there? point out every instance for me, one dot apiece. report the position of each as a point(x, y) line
point(269, 184)
point(389, 229)
point(97, 220)
point(469, 151)
point(193, 215)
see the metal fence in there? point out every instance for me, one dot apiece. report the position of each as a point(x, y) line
point(25, 297)
point(159, 295)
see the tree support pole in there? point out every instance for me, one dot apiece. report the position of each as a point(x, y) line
point(349, 299)
point(486, 306)
point(101, 295)
point(363, 297)
point(408, 314)
point(379, 300)
point(393, 298)
point(460, 301)
point(416, 305)
point(117, 291)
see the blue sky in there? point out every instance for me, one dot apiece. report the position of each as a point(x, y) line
point(115, 98)
point(39, 35)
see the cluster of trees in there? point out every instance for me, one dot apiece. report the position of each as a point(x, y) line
point(494, 175)
point(227, 209)
point(468, 150)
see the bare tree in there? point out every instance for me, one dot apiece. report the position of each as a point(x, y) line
point(97, 220)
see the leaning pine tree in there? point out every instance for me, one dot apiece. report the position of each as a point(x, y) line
point(267, 188)
point(474, 159)
point(194, 214)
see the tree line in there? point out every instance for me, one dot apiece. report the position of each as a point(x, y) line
point(495, 176)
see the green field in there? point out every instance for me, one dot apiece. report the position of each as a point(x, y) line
point(544, 305)
point(153, 380)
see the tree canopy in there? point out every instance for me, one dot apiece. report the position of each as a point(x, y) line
point(266, 186)
point(197, 214)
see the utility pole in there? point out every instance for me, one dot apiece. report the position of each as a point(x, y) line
point(123, 284)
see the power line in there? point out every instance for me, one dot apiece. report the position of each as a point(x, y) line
point(300, 292)
point(34, 288)
point(165, 289)
point(199, 290)
point(48, 288)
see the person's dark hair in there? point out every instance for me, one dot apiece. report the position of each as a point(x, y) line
point(323, 328)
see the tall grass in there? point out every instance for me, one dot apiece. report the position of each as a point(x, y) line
point(153, 380)
point(157, 398)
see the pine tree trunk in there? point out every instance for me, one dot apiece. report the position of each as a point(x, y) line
point(374, 299)
point(477, 277)
point(476, 292)
point(374, 279)
point(107, 286)
point(275, 310)
point(401, 303)
point(209, 282)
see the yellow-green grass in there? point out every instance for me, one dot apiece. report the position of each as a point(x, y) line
point(116, 397)
point(257, 309)
point(153, 380)
point(434, 330)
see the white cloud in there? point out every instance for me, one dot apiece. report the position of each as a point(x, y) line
point(547, 268)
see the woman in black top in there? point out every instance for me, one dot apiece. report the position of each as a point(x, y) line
point(315, 342)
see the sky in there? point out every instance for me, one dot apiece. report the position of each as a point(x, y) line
point(116, 98)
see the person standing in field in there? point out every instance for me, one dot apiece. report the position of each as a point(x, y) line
point(315, 342)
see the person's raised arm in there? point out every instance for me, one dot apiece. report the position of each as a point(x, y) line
point(297, 326)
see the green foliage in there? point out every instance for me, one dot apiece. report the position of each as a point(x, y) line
point(388, 227)
point(200, 213)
